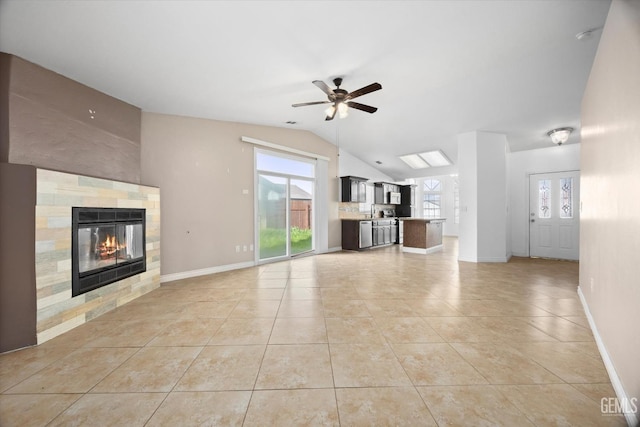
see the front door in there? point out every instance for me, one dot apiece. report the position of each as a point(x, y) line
point(554, 215)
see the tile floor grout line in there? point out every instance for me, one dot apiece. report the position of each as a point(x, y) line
point(388, 299)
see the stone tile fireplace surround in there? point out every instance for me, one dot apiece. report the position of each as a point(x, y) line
point(56, 193)
point(45, 127)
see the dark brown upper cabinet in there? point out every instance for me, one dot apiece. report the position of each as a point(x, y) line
point(354, 189)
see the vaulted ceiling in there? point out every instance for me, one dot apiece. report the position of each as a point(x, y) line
point(446, 67)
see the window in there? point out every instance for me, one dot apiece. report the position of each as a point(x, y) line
point(284, 164)
point(432, 201)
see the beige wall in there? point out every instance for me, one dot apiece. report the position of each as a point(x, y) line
point(610, 219)
point(202, 168)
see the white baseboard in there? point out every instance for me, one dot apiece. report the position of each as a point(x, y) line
point(632, 419)
point(204, 271)
point(487, 259)
point(217, 269)
point(494, 259)
point(422, 251)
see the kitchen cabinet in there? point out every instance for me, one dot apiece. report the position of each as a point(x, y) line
point(382, 190)
point(356, 234)
point(378, 194)
point(407, 201)
point(394, 232)
point(354, 189)
point(384, 232)
point(407, 194)
point(361, 234)
point(387, 234)
point(350, 234)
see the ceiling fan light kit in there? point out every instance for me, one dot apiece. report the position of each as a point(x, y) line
point(341, 100)
point(560, 135)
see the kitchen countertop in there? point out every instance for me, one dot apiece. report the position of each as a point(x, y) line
point(401, 218)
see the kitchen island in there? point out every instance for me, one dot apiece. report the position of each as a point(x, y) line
point(421, 235)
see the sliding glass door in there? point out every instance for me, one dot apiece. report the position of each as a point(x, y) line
point(272, 208)
point(284, 214)
point(301, 215)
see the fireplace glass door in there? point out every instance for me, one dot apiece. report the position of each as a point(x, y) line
point(106, 245)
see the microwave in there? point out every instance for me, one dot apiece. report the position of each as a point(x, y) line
point(394, 198)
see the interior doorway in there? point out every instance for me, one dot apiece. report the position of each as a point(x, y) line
point(554, 215)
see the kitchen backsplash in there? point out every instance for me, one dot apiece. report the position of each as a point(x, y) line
point(350, 210)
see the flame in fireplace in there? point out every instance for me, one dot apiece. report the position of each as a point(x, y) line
point(109, 247)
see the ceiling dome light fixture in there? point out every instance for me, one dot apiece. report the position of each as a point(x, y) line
point(560, 136)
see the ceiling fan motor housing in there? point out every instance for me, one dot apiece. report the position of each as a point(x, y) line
point(338, 94)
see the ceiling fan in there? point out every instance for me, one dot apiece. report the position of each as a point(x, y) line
point(341, 99)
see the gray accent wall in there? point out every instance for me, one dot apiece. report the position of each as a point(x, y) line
point(17, 256)
point(59, 124)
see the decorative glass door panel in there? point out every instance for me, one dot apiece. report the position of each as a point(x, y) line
point(566, 197)
point(544, 195)
point(553, 218)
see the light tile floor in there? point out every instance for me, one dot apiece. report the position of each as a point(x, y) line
point(372, 338)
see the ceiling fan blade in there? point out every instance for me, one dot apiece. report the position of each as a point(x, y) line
point(358, 106)
point(302, 104)
point(323, 87)
point(365, 90)
point(333, 114)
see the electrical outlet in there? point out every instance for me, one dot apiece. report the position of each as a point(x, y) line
point(244, 248)
point(237, 248)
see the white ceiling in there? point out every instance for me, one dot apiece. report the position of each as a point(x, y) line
point(446, 67)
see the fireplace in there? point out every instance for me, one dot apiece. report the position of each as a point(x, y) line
point(108, 244)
